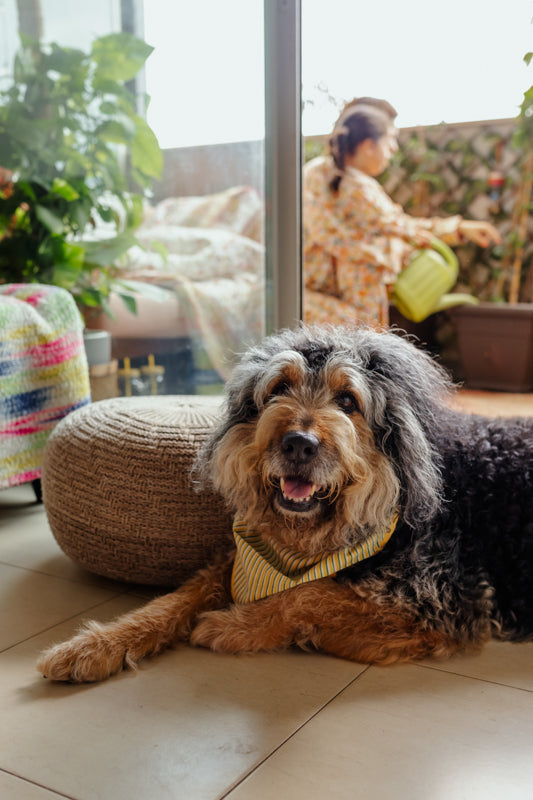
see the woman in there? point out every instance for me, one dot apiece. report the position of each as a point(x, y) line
point(356, 239)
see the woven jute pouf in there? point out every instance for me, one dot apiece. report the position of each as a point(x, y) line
point(118, 494)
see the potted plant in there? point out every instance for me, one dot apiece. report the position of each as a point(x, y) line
point(496, 338)
point(75, 160)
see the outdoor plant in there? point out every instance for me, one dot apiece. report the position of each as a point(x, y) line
point(517, 273)
point(453, 174)
point(76, 157)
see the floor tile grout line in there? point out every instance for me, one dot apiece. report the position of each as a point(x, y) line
point(474, 678)
point(227, 793)
point(127, 587)
point(61, 622)
point(58, 577)
point(35, 783)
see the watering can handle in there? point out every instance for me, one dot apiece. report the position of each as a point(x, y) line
point(445, 251)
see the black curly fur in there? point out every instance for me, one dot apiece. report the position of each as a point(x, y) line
point(471, 565)
point(461, 558)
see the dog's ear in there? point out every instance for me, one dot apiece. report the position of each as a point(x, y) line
point(408, 390)
point(238, 407)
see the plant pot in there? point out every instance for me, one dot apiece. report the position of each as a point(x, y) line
point(496, 345)
point(97, 346)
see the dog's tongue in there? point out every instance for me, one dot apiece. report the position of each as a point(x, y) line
point(296, 489)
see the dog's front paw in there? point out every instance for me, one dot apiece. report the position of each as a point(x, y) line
point(218, 631)
point(89, 656)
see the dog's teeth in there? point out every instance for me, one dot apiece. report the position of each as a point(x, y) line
point(291, 493)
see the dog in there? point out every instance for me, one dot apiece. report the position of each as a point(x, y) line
point(373, 521)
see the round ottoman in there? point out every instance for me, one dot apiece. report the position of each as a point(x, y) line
point(118, 494)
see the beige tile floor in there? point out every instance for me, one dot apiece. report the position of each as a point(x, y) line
point(191, 724)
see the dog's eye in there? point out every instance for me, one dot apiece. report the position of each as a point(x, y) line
point(347, 402)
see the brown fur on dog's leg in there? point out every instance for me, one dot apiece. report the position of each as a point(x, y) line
point(99, 651)
point(325, 615)
point(251, 628)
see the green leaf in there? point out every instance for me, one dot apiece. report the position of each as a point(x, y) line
point(120, 130)
point(107, 214)
point(105, 252)
point(119, 56)
point(134, 206)
point(21, 218)
point(49, 219)
point(4, 221)
point(26, 187)
point(67, 262)
point(66, 275)
point(80, 213)
point(129, 301)
point(109, 108)
point(139, 178)
point(528, 57)
point(90, 297)
point(73, 253)
point(64, 189)
point(66, 60)
point(149, 290)
point(106, 308)
point(146, 154)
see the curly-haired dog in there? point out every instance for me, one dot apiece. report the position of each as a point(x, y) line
point(373, 522)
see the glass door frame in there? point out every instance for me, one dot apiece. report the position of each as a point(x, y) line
point(283, 163)
point(283, 155)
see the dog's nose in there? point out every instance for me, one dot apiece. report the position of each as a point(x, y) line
point(300, 447)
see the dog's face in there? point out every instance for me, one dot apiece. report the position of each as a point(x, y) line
point(308, 455)
point(310, 449)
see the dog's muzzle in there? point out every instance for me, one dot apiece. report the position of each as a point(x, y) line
point(297, 492)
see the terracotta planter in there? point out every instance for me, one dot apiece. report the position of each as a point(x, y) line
point(496, 346)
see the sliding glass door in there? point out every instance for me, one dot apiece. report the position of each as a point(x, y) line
point(218, 256)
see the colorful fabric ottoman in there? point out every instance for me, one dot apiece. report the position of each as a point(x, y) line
point(43, 374)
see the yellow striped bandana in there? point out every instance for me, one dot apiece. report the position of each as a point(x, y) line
point(263, 568)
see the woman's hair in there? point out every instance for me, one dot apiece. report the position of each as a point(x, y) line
point(364, 118)
point(377, 102)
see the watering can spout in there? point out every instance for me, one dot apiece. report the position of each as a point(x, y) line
point(421, 289)
point(452, 300)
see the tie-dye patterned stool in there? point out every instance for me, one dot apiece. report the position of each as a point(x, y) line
point(43, 374)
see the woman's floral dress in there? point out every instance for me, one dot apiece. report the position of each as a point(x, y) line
point(355, 244)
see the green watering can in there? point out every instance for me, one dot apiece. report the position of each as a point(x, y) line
point(421, 287)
